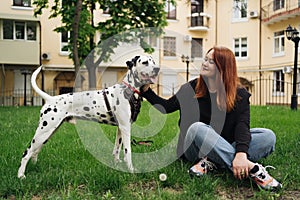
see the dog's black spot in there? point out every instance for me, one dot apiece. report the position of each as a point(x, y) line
point(94, 102)
point(107, 92)
point(86, 108)
point(33, 141)
point(45, 142)
point(104, 121)
point(98, 92)
point(145, 63)
point(71, 93)
point(87, 94)
point(112, 119)
point(24, 154)
point(115, 108)
point(112, 95)
point(126, 151)
point(52, 118)
point(120, 140)
point(97, 113)
point(103, 116)
point(45, 123)
point(55, 109)
point(118, 101)
point(65, 102)
point(88, 115)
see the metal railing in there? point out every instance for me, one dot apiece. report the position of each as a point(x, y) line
point(279, 8)
point(263, 92)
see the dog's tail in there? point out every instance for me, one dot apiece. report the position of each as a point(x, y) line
point(43, 94)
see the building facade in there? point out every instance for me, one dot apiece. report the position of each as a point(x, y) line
point(254, 30)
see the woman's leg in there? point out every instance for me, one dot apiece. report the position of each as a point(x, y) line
point(262, 143)
point(201, 141)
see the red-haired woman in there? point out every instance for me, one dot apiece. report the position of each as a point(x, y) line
point(215, 122)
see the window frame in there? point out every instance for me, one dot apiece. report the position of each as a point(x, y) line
point(195, 43)
point(240, 10)
point(278, 83)
point(64, 44)
point(278, 4)
point(170, 9)
point(279, 37)
point(169, 47)
point(22, 3)
point(240, 47)
point(13, 31)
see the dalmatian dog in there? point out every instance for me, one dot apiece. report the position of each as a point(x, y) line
point(117, 105)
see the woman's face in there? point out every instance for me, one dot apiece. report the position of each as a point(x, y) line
point(208, 68)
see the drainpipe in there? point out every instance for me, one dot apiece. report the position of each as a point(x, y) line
point(40, 60)
point(216, 21)
point(260, 48)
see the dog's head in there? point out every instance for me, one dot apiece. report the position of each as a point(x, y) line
point(144, 69)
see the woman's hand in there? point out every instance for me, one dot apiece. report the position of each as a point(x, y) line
point(145, 87)
point(240, 165)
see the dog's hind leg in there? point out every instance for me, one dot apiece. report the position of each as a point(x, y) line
point(118, 145)
point(42, 134)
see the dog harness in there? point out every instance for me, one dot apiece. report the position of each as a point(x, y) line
point(135, 103)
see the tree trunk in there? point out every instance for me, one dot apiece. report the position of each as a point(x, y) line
point(76, 59)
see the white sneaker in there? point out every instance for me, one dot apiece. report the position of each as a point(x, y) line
point(263, 179)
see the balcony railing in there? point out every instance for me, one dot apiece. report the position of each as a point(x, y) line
point(279, 10)
point(198, 21)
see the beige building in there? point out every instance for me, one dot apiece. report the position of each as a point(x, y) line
point(254, 30)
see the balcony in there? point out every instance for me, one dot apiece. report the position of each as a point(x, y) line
point(280, 10)
point(198, 21)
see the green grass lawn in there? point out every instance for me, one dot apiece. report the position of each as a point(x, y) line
point(67, 170)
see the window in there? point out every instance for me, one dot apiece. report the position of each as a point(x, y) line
point(278, 4)
point(279, 43)
point(19, 30)
point(240, 47)
point(196, 9)
point(197, 47)
point(170, 46)
point(25, 3)
point(65, 35)
point(170, 10)
point(239, 9)
point(278, 85)
point(8, 29)
point(31, 31)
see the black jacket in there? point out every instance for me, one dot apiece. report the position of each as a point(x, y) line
point(233, 126)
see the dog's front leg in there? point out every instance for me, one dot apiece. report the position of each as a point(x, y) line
point(125, 132)
point(118, 145)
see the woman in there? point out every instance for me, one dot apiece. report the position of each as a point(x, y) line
point(215, 122)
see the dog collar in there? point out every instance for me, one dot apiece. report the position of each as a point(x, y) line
point(132, 88)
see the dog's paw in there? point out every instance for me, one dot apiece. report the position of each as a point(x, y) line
point(21, 175)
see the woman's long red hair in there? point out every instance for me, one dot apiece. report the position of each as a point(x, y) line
point(226, 78)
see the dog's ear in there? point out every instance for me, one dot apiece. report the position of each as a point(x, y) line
point(129, 64)
point(135, 59)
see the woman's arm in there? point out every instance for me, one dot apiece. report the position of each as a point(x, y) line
point(163, 105)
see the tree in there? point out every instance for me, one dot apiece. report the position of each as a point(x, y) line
point(131, 17)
